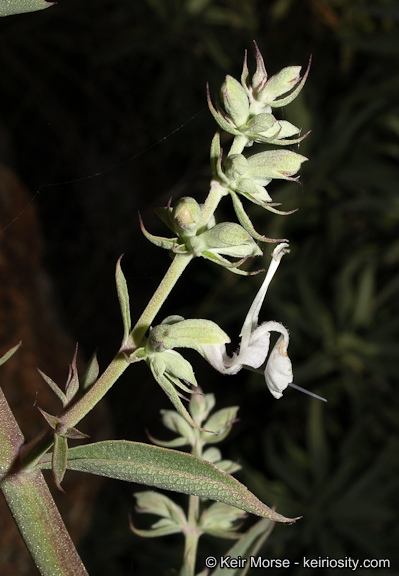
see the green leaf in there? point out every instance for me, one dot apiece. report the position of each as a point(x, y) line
point(8, 354)
point(123, 297)
point(72, 384)
point(54, 387)
point(247, 546)
point(8, 7)
point(166, 469)
point(91, 374)
point(59, 460)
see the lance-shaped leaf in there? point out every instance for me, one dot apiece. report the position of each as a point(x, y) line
point(56, 389)
point(8, 354)
point(72, 383)
point(160, 241)
point(59, 459)
point(91, 374)
point(124, 303)
point(166, 469)
point(9, 7)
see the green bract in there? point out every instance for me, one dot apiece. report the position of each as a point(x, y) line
point(168, 367)
point(171, 370)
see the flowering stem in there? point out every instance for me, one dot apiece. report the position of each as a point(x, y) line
point(216, 192)
point(180, 262)
point(32, 452)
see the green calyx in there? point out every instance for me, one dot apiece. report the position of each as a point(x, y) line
point(175, 332)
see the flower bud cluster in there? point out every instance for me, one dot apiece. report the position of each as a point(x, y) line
point(245, 111)
point(247, 106)
point(212, 242)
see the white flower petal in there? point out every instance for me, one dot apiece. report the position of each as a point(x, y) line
point(255, 353)
point(251, 321)
point(278, 372)
point(218, 358)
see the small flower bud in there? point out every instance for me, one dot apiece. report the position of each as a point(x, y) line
point(263, 123)
point(235, 101)
point(229, 239)
point(279, 84)
point(274, 164)
point(186, 215)
point(235, 166)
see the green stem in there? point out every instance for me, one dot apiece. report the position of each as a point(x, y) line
point(31, 452)
point(33, 507)
point(180, 262)
point(192, 537)
point(193, 533)
point(238, 145)
point(216, 192)
point(41, 525)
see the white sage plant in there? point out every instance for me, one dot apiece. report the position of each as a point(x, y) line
point(245, 112)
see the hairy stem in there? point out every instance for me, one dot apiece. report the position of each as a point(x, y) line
point(238, 145)
point(180, 262)
point(33, 507)
point(31, 452)
point(192, 536)
point(216, 192)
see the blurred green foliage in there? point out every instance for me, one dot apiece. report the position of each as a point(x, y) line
point(86, 87)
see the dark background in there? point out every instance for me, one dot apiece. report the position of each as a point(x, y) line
point(104, 107)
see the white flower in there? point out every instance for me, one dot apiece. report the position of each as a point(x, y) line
point(255, 341)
